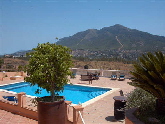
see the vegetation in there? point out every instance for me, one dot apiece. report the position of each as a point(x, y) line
point(141, 99)
point(149, 74)
point(24, 58)
point(106, 65)
point(107, 39)
point(1, 62)
point(86, 67)
point(12, 64)
point(49, 68)
point(97, 64)
point(145, 102)
point(112, 59)
point(21, 68)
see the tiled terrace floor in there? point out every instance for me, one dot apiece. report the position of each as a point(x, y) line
point(100, 112)
point(10, 118)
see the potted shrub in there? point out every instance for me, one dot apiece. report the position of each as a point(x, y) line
point(49, 68)
point(149, 74)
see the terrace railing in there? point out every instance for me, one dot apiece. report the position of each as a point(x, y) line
point(18, 108)
point(81, 117)
point(24, 108)
point(104, 73)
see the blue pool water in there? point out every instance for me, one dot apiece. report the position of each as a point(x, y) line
point(75, 93)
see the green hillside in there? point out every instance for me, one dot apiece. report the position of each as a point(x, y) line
point(115, 37)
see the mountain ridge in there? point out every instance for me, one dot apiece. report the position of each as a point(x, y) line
point(111, 38)
point(117, 38)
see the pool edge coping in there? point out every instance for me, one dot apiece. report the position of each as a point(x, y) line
point(98, 97)
point(12, 83)
point(93, 100)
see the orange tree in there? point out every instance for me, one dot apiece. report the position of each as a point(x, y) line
point(49, 67)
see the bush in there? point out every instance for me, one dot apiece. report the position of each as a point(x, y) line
point(86, 67)
point(141, 99)
point(145, 102)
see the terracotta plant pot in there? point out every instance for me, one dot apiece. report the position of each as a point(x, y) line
point(51, 112)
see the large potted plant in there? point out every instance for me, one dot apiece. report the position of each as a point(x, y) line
point(49, 68)
point(149, 74)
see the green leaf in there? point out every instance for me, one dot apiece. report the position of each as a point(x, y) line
point(49, 67)
point(149, 74)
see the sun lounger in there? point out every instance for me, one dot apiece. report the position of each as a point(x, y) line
point(113, 77)
point(121, 77)
point(95, 76)
point(10, 98)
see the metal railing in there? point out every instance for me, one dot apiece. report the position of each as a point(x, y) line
point(81, 117)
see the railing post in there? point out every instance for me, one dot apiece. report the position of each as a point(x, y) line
point(21, 99)
point(101, 72)
point(67, 103)
point(76, 116)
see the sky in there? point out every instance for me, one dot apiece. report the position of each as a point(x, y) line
point(25, 23)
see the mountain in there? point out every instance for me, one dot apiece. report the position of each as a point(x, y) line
point(115, 37)
point(21, 53)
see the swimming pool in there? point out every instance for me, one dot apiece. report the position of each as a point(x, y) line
point(75, 93)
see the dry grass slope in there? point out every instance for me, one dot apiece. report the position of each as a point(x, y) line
point(106, 65)
point(103, 65)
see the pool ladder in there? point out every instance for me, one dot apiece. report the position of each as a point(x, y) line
point(95, 94)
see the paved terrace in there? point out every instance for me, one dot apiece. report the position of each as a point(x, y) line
point(99, 112)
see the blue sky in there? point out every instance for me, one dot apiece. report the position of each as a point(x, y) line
point(25, 23)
